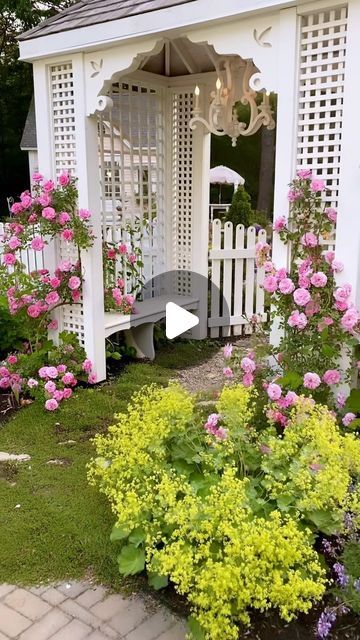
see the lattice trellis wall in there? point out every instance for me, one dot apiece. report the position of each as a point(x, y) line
point(321, 87)
point(182, 188)
point(132, 172)
point(63, 122)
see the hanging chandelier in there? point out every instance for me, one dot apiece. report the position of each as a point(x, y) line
point(233, 85)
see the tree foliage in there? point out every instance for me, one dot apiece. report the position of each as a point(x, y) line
point(16, 16)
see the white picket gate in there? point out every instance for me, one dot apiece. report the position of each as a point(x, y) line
point(32, 260)
point(236, 282)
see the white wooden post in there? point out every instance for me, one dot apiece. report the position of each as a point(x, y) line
point(200, 222)
point(348, 222)
point(89, 198)
point(286, 130)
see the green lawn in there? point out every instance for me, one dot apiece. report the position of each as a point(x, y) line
point(61, 529)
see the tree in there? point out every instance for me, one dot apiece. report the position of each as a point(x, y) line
point(16, 88)
point(240, 211)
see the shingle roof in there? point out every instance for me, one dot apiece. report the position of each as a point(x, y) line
point(91, 12)
point(29, 140)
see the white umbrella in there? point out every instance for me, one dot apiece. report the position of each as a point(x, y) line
point(224, 175)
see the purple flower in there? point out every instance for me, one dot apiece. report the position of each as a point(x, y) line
point(325, 623)
point(341, 578)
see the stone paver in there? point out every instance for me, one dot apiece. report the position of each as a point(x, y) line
point(81, 611)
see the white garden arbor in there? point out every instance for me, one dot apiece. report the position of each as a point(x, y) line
point(114, 93)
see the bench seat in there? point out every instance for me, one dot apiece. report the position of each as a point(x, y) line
point(139, 327)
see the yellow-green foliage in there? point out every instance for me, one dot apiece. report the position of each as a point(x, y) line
point(313, 462)
point(167, 478)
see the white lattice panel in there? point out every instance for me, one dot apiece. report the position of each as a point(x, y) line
point(321, 87)
point(63, 119)
point(182, 187)
point(63, 112)
point(132, 175)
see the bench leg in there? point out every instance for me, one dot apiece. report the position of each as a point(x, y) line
point(142, 339)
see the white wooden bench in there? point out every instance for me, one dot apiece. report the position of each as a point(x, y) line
point(139, 327)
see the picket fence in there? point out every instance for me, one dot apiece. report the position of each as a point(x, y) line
point(236, 282)
point(32, 260)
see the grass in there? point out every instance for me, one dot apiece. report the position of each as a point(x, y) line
point(61, 528)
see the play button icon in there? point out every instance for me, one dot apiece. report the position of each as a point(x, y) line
point(178, 320)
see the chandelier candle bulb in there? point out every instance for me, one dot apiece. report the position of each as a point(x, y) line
point(218, 89)
point(197, 95)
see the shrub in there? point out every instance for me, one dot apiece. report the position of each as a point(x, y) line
point(191, 507)
point(240, 211)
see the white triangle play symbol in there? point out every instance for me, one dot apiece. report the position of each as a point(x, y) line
point(178, 320)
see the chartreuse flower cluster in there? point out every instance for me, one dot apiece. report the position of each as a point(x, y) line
point(313, 466)
point(183, 498)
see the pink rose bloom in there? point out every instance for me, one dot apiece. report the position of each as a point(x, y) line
point(92, 378)
point(286, 286)
point(304, 174)
point(228, 349)
point(55, 283)
point(49, 186)
point(311, 308)
point(350, 319)
point(74, 283)
point(123, 248)
point(228, 372)
point(311, 380)
point(341, 294)
point(53, 325)
point(268, 266)
point(75, 296)
point(279, 223)
point(129, 299)
point(329, 256)
point(318, 279)
point(274, 391)
point(52, 372)
point(68, 378)
point(325, 322)
point(33, 218)
point(32, 383)
point(64, 179)
point(248, 379)
point(67, 235)
point(291, 398)
point(64, 218)
point(12, 359)
point(34, 310)
point(26, 201)
point(270, 284)
point(52, 298)
point(67, 393)
point(121, 283)
point(331, 214)
point(44, 200)
point(50, 386)
point(301, 297)
point(16, 208)
point(281, 274)
point(132, 258)
point(14, 243)
point(65, 266)
point(51, 405)
point(297, 320)
point(337, 266)
point(37, 243)
point(309, 240)
point(294, 194)
point(61, 368)
point(248, 365)
point(84, 214)
point(37, 177)
point(58, 395)
point(49, 213)
point(304, 266)
point(304, 281)
point(9, 259)
point(43, 372)
point(341, 306)
point(341, 399)
point(331, 376)
point(87, 366)
point(348, 418)
point(4, 372)
point(111, 254)
point(317, 185)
